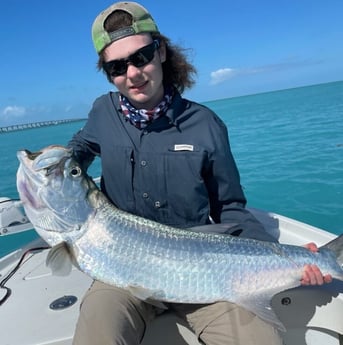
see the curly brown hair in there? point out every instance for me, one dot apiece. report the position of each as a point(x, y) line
point(177, 70)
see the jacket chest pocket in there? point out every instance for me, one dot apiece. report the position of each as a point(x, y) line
point(186, 187)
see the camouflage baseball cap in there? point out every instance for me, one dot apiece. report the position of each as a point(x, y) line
point(142, 21)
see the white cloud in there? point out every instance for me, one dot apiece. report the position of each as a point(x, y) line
point(14, 111)
point(221, 75)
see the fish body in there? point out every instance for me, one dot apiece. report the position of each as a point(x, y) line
point(152, 260)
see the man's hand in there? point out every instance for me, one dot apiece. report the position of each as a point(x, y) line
point(312, 274)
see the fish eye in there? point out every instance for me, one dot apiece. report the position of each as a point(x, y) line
point(75, 171)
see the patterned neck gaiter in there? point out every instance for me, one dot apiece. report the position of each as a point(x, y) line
point(142, 117)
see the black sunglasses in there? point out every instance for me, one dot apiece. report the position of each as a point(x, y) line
point(139, 59)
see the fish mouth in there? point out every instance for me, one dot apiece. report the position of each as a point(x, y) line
point(34, 170)
point(53, 190)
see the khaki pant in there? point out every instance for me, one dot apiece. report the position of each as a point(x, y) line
point(112, 316)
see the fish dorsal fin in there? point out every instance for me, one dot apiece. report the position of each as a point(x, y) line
point(261, 306)
point(59, 260)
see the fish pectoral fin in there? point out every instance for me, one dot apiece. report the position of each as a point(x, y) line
point(59, 260)
point(262, 308)
point(146, 295)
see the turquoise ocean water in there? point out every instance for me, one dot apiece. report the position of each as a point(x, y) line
point(288, 147)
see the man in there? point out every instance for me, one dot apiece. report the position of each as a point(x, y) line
point(167, 159)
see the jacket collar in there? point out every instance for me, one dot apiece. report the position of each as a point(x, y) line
point(173, 113)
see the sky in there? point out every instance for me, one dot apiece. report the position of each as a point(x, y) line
point(242, 47)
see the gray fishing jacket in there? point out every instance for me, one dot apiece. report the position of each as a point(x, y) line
point(179, 170)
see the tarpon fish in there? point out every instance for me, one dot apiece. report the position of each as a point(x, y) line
point(154, 261)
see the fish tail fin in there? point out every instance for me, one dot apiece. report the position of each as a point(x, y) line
point(336, 246)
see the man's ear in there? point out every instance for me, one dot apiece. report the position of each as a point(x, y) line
point(162, 52)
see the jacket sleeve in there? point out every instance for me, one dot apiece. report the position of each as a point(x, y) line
point(227, 200)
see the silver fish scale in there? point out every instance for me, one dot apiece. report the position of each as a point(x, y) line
point(183, 266)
